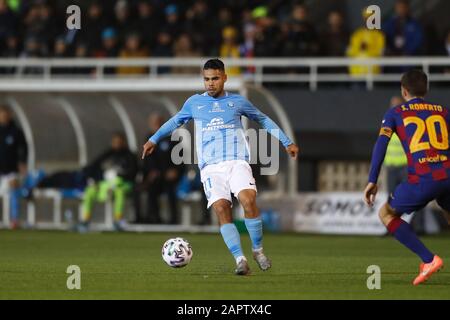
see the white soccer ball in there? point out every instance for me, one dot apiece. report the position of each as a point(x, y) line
point(177, 252)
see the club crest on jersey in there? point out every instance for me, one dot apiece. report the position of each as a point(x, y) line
point(231, 104)
point(216, 108)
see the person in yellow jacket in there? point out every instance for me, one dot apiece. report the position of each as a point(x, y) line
point(132, 49)
point(365, 43)
point(230, 49)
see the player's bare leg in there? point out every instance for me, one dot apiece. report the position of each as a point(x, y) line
point(405, 235)
point(253, 222)
point(230, 235)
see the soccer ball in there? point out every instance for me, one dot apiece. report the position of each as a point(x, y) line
point(177, 252)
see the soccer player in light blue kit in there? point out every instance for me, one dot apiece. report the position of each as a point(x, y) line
point(223, 156)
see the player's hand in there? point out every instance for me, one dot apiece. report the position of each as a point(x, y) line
point(370, 194)
point(293, 150)
point(148, 147)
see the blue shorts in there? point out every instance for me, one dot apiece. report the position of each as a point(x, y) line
point(409, 197)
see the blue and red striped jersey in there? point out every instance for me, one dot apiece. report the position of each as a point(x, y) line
point(423, 130)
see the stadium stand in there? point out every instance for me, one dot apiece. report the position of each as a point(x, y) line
point(142, 56)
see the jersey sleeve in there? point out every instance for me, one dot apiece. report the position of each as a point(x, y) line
point(379, 150)
point(183, 116)
point(251, 112)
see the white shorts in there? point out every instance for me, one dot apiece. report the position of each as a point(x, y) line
point(221, 179)
point(5, 182)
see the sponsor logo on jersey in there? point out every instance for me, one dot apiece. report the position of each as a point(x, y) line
point(217, 124)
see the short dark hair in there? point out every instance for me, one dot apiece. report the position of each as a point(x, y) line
point(416, 82)
point(215, 64)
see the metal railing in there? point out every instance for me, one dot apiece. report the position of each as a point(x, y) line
point(313, 71)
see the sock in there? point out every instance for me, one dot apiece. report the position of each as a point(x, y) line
point(403, 232)
point(14, 202)
point(232, 239)
point(254, 227)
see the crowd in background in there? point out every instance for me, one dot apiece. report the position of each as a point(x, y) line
point(155, 28)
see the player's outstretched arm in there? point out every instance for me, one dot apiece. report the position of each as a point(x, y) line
point(370, 194)
point(293, 150)
point(253, 113)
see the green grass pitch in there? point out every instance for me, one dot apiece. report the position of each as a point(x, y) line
point(129, 266)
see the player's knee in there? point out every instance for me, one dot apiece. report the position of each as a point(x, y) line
point(386, 214)
point(222, 208)
point(248, 203)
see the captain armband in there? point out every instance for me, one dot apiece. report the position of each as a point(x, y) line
point(386, 131)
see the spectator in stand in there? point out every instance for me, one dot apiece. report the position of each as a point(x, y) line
point(81, 51)
point(34, 48)
point(8, 23)
point(334, 39)
point(132, 49)
point(109, 45)
point(60, 50)
point(303, 40)
point(147, 23)
point(247, 48)
point(365, 43)
point(183, 48)
point(12, 49)
point(197, 21)
point(109, 48)
point(163, 48)
point(230, 48)
point(265, 33)
point(224, 19)
point(39, 23)
point(48, 24)
point(122, 20)
point(404, 34)
point(93, 25)
point(173, 23)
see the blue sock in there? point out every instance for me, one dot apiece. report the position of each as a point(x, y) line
point(254, 227)
point(232, 239)
point(14, 200)
point(403, 232)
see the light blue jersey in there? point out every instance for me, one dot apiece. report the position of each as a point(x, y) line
point(218, 127)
